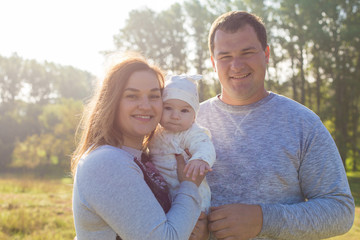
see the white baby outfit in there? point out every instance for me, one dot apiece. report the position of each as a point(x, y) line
point(165, 144)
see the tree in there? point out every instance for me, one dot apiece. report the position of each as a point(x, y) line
point(159, 36)
point(10, 78)
point(200, 20)
point(323, 29)
point(28, 88)
point(55, 143)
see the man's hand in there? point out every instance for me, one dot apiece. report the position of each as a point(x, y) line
point(235, 221)
point(201, 231)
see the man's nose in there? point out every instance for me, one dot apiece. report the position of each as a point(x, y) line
point(237, 63)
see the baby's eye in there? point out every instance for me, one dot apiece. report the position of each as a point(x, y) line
point(167, 108)
point(184, 110)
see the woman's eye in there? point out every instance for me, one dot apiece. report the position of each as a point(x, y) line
point(155, 96)
point(131, 96)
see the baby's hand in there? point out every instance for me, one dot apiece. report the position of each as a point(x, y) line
point(196, 167)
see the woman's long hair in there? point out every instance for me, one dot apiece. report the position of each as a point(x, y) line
point(98, 123)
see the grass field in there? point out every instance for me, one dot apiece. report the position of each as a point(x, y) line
point(41, 209)
point(354, 233)
point(36, 209)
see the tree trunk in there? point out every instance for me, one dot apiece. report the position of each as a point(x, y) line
point(302, 75)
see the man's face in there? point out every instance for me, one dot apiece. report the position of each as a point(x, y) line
point(240, 62)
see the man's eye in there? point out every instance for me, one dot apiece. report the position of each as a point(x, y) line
point(248, 53)
point(224, 57)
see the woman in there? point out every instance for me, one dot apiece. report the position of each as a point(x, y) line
point(114, 188)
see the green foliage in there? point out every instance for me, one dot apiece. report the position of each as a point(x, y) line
point(164, 32)
point(55, 143)
point(40, 82)
point(314, 53)
point(10, 78)
point(40, 106)
point(354, 181)
point(314, 60)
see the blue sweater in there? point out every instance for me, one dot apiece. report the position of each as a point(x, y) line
point(278, 154)
point(110, 196)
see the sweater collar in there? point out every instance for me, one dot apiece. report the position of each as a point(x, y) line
point(236, 108)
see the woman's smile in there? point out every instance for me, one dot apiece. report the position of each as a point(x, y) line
point(140, 107)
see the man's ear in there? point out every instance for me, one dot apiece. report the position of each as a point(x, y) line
point(267, 53)
point(213, 63)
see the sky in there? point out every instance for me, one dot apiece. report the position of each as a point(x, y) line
point(66, 32)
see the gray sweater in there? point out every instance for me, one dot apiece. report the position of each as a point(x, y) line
point(110, 196)
point(277, 153)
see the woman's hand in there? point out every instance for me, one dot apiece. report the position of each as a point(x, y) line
point(180, 171)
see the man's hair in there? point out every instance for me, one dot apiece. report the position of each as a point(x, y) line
point(233, 21)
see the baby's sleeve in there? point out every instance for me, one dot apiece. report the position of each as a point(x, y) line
point(198, 141)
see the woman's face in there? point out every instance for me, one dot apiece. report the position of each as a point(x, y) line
point(140, 108)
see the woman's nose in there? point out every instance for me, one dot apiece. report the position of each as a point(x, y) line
point(144, 103)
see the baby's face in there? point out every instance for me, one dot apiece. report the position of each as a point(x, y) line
point(177, 115)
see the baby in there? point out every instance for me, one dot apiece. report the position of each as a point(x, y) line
point(178, 131)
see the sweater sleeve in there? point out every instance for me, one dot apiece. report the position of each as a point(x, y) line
point(200, 146)
point(328, 209)
point(113, 187)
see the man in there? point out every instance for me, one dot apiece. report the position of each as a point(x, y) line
point(278, 173)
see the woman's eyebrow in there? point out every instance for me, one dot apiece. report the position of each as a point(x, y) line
point(138, 90)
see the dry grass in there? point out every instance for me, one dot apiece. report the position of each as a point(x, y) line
point(354, 233)
point(35, 209)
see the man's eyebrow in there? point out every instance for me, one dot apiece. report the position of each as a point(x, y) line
point(242, 50)
point(248, 48)
point(223, 53)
